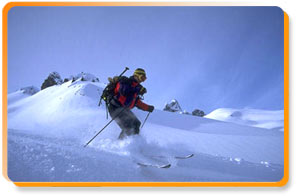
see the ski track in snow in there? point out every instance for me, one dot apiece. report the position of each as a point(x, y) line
point(39, 158)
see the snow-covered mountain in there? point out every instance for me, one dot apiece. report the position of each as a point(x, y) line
point(84, 77)
point(250, 117)
point(47, 132)
point(21, 93)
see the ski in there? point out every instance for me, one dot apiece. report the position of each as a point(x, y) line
point(165, 166)
point(184, 157)
point(177, 157)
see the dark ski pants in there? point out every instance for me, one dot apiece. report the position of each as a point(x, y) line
point(126, 119)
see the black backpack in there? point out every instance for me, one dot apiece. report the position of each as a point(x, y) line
point(108, 92)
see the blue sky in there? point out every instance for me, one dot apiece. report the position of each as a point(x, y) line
point(205, 57)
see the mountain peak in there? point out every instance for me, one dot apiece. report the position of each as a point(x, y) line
point(84, 77)
point(173, 106)
point(29, 90)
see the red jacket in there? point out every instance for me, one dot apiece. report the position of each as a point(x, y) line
point(127, 93)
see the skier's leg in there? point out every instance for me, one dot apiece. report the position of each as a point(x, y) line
point(119, 119)
point(137, 125)
point(122, 135)
point(134, 124)
point(127, 121)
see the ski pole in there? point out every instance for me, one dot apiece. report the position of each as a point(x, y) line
point(145, 120)
point(104, 127)
point(126, 68)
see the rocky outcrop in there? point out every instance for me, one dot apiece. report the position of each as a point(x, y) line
point(54, 78)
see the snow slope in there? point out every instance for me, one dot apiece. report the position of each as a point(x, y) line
point(47, 132)
point(250, 117)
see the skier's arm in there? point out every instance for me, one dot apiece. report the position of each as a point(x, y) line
point(141, 105)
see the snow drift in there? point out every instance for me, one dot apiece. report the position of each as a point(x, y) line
point(251, 117)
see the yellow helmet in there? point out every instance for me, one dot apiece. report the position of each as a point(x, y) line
point(139, 72)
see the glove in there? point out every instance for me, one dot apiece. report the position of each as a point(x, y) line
point(150, 108)
point(142, 91)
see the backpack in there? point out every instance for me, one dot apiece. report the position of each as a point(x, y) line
point(108, 92)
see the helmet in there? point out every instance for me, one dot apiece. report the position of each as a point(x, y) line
point(139, 72)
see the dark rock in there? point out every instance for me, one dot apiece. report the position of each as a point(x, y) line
point(198, 112)
point(54, 78)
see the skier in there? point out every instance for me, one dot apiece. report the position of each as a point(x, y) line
point(126, 95)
